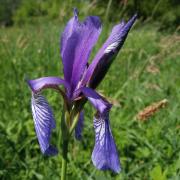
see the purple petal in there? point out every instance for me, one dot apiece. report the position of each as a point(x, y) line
point(79, 86)
point(44, 123)
point(77, 42)
point(79, 126)
point(107, 53)
point(46, 82)
point(97, 101)
point(104, 154)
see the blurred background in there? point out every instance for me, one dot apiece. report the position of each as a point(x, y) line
point(166, 12)
point(146, 71)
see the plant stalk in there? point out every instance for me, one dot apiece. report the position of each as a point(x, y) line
point(64, 160)
point(64, 143)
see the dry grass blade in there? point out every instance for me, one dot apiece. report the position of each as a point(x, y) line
point(151, 110)
point(153, 69)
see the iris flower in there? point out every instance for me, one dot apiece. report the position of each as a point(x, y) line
point(80, 80)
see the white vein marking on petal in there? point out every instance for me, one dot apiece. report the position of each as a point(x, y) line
point(100, 131)
point(111, 47)
point(43, 117)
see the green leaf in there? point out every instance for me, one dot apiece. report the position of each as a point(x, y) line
point(157, 173)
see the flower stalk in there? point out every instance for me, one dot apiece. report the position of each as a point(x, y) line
point(64, 141)
point(66, 131)
point(64, 160)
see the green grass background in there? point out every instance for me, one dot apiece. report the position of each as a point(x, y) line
point(147, 150)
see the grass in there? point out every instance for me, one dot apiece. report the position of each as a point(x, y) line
point(147, 70)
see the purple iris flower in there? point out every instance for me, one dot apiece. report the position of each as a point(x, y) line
point(80, 80)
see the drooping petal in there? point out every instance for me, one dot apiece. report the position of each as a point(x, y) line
point(105, 154)
point(107, 53)
point(46, 82)
point(44, 123)
point(77, 42)
point(96, 100)
point(79, 126)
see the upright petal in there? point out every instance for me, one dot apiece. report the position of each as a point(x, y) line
point(79, 126)
point(44, 123)
point(77, 42)
point(107, 53)
point(104, 155)
point(47, 82)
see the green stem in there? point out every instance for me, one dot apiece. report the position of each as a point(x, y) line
point(75, 120)
point(63, 170)
point(66, 131)
point(64, 160)
point(64, 144)
point(65, 148)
